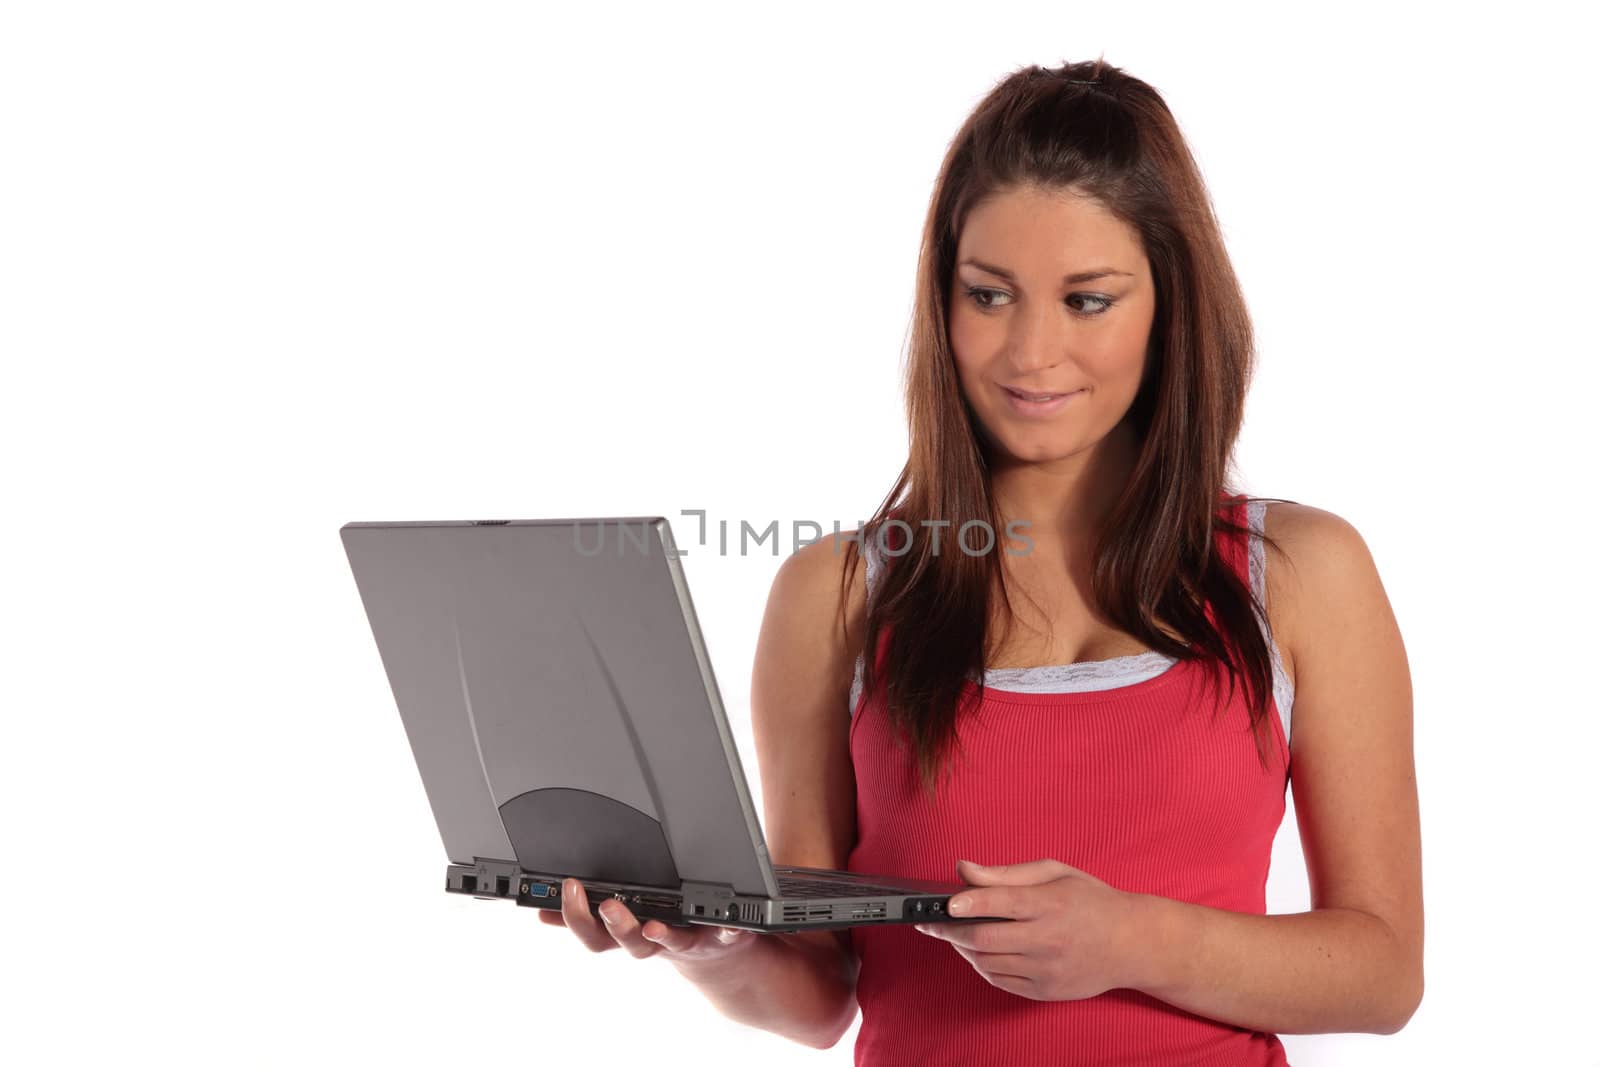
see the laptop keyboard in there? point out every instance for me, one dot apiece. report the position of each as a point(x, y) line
point(811, 888)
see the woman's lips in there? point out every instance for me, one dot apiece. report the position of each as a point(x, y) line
point(1037, 408)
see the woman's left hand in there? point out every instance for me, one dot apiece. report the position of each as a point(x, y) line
point(1072, 935)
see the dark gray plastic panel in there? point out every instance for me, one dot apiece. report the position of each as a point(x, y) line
point(576, 830)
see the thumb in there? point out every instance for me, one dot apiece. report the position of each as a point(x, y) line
point(1030, 873)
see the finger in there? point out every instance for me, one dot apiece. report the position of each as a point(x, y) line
point(1022, 987)
point(985, 937)
point(999, 964)
point(1031, 873)
point(551, 918)
point(673, 938)
point(996, 901)
point(624, 929)
point(731, 935)
point(575, 910)
point(695, 940)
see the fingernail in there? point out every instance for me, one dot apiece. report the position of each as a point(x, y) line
point(607, 916)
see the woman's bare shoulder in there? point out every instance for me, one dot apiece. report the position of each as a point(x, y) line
point(1312, 554)
point(813, 578)
point(1301, 531)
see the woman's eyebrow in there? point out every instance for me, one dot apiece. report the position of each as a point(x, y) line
point(1072, 279)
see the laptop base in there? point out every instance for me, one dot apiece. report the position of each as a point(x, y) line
point(703, 904)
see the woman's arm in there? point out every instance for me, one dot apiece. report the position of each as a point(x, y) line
point(798, 986)
point(1354, 962)
point(802, 985)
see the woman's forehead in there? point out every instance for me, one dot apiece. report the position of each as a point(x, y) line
point(1029, 232)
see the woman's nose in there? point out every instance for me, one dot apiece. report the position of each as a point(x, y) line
point(1037, 342)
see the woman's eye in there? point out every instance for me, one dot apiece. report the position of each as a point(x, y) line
point(1103, 302)
point(985, 298)
point(977, 296)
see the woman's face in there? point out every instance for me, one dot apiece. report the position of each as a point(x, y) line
point(1051, 295)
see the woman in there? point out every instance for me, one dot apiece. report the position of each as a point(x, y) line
point(1115, 742)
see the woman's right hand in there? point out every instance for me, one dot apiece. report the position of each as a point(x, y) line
point(692, 947)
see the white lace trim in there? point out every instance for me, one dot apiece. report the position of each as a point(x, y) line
point(1084, 677)
point(1282, 688)
point(1119, 671)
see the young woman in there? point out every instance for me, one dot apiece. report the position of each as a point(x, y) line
point(1085, 675)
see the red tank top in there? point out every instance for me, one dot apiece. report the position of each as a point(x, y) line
point(1141, 786)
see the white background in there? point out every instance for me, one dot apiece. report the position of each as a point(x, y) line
point(269, 268)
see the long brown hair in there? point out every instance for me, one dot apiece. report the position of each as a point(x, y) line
point(1101, 132)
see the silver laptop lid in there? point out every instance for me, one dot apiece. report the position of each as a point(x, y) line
point(558, 698)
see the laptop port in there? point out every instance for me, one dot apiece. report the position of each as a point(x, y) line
point(502, 886)
point(469, 883)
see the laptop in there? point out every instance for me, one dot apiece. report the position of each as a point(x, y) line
point(556, 692)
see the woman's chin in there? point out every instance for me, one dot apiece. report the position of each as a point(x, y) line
point(1037, 449)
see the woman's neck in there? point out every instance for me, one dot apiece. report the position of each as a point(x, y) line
point(1066, 501)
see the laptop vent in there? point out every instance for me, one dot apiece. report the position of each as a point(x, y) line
point(812, 913)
